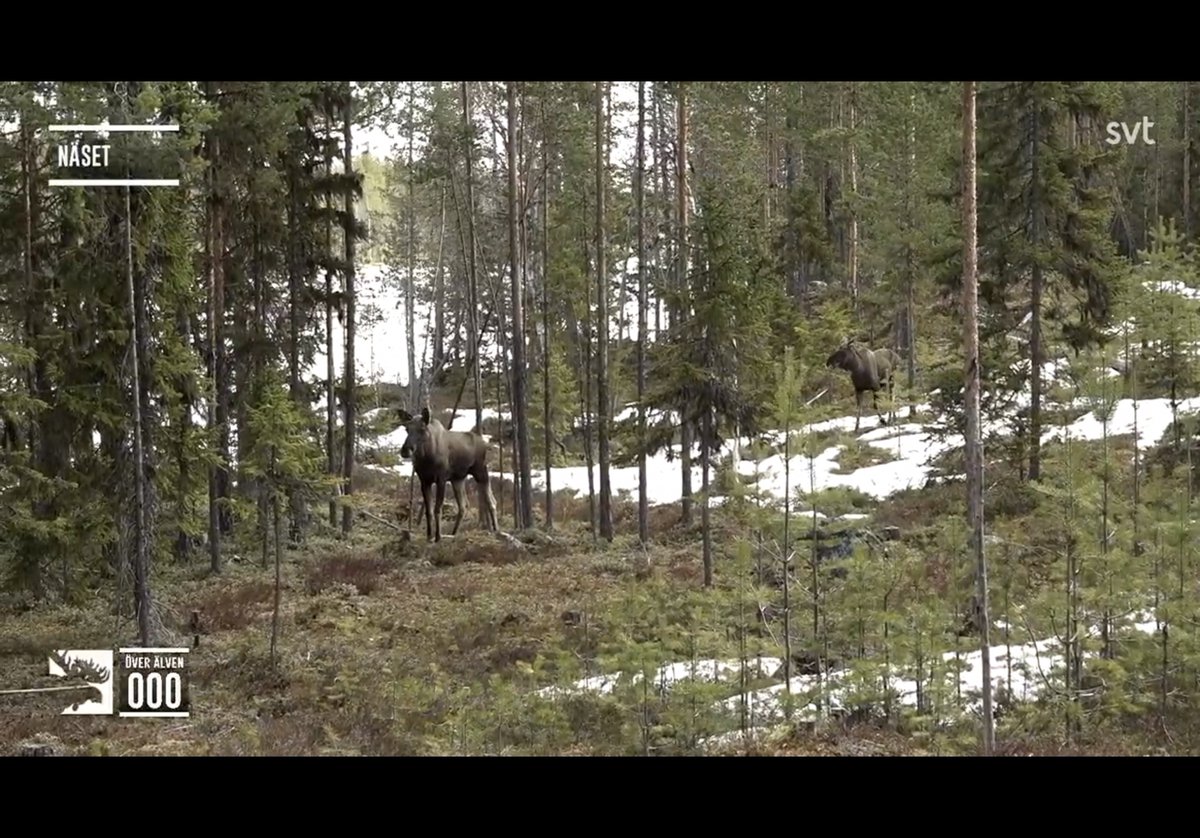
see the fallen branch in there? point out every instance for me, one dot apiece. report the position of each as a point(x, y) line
point(46, 690)
point(362, 513)
point(817, 396)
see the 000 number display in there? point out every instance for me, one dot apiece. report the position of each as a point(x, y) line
point(154, 691)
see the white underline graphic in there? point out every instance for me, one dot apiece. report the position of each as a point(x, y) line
point(102, 127)
point(114, 181)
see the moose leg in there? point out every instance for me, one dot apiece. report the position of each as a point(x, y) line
point(457, 485)
point(487, 501)
point(875, 404)
point(858, 399)
point(493, 515)
point(428, 504)
point(437, 510)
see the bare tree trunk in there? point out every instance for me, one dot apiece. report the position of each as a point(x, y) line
point(330, 367)
point(706, 553)
point(38, 384)
point(438, 360)
point(1035, 323)
point(974, 439)
point(640, 189)
point(409, 314)
point(662, 187)
point(606, 523)
point(1187, 160)
point(910, 290)
point(585, 370)
point(141, 555)
point(519, 401)
point(216, 310)
point(685, 418)
point(1131, 367)
point(221, 367)
point(473, 279)
point(547, 413)
point(853, 196)
point(351, 384)
point(792, 275)
point(297, 508)
point(786, 554)
point(278, 558)
point(769, 155)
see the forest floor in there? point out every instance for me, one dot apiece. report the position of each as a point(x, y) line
point(392, 646)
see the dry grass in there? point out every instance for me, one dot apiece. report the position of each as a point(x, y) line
point(855, 455)
point(231, 606)
point(363, 573)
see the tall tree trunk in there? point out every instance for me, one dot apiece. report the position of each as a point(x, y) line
point(853, 255)
point(138, 342)
point(278, 556)
point(662, 188)
point(224, 376)
point(525, 218)
point(602, 406)
point(640, 194)
point(910, 285)
point(216, 314)
point(183, 505)
point(295, 268)
point(438, 360)
point(248, 483)
point(330, 369)
point(706, 553)
point(769, 154)
point(585, 371)
point(1187, 160)
point(409, 296)
point(41, 441)
point(473, 279)
point(786, 554)
point(685, 412)
point(351, 385)
point(1035, 337)
point(974, 437)
point(519, 397)
point(547, 413)
point(794, 279)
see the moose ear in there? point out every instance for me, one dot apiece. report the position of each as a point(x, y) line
point(404, 415)
point(425, 415)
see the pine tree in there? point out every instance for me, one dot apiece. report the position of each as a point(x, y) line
point(1043, 220)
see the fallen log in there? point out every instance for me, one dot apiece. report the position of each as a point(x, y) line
point(513, 541)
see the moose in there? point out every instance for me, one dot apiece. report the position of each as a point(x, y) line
point(438, 456)
point(870, 369)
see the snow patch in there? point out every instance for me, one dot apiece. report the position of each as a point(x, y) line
point(667, 676)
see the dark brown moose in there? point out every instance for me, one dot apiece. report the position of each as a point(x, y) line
point(869, 370)
point(439, 456)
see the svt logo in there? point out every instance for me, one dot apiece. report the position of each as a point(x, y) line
point(1143, 127)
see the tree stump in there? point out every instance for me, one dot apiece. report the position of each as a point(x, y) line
point(196, 628)
point(891, 533)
